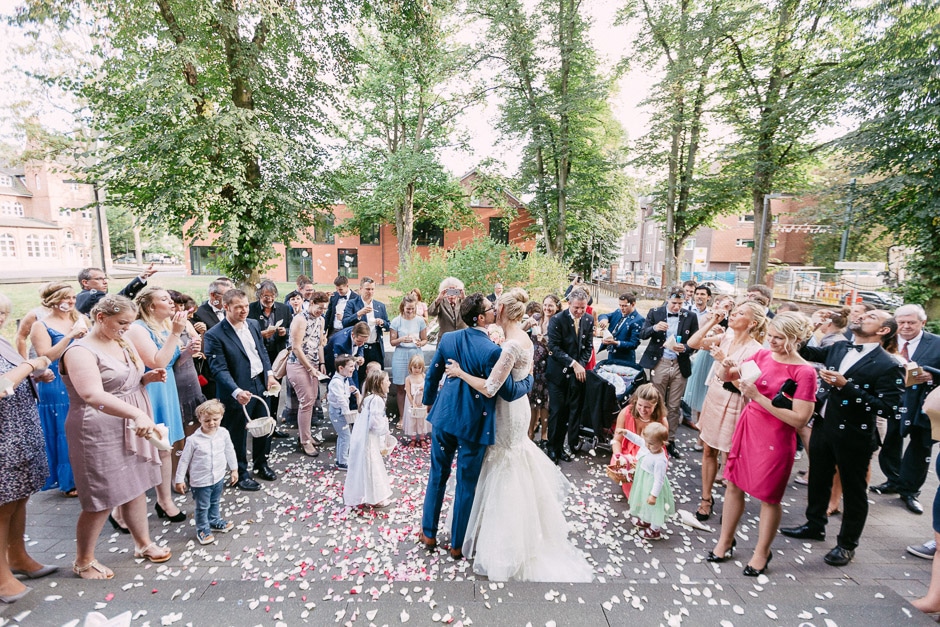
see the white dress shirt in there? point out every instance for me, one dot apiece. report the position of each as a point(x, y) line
point(207, 457)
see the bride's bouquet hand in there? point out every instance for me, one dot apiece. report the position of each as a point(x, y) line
point(452, 369)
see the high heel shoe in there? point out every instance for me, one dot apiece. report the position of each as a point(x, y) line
point(161, 513)
point(702, 517)
point(750, 571)
point(117, 526)
point(711, 557)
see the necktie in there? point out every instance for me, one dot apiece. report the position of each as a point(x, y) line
point(904, 353)
point(577, 326)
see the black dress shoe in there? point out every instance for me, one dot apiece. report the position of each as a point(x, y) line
point(249, 485)
point(803, 532)
point(912, 504)
point(565, 457)
point(673, 451)
point(839, 556)
point(280, 434)
point(265, 472)
point(884, 488)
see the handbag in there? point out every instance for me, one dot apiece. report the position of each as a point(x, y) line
point(279, 367)
point(419, 413)
point(784, 397)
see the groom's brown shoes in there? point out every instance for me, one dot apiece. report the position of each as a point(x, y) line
point(456, 554)
point(429, 543)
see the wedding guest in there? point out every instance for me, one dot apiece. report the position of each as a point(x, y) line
point(50, 337)
point(703, 361)
point(275, 319)
point(94, 284)
point(421, 307)
point(363, 307)
point(23, 467)
point(337, 306)
point(305, 361)
point(446, 307)
point(408, 334)
point(187, 374)
point(105, 379)
point(646, 406)
point(538, 397)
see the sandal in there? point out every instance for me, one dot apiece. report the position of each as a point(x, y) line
point(703, 516)
point(93, 564)
point(71, 494)
point(144, 554)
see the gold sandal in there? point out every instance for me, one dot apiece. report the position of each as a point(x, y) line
point(78, 570)
point(142, 554)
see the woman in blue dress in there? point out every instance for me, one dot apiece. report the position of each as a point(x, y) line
point(156, 336)
point(50, 337)
point(408, 334)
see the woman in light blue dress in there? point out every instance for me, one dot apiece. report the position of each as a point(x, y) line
point(408, 334)
point(156, 336)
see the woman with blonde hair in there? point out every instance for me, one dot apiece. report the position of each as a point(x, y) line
point(723, 403)
point(109, 427)
point(50, 337)
point(156, 336)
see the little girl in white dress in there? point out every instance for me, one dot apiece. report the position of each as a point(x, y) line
point(367, 481)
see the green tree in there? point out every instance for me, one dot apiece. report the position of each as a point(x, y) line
point(555, 102)
point(402, 108)
point(210, 116)
point(898, 143)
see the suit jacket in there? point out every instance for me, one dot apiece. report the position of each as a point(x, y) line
point(354, 304)
point(874, 388)
point(626, 334)
point(87, 299)
point(565, 347)
point(927, 354)
point(204, 313)
point(458, 409)
point(688, 325)
point(341, 344)
point(448, 318)
point(331, 310)
point(229, 363)
point(282, 312)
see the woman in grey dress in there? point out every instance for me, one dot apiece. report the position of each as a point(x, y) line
point(113, 462)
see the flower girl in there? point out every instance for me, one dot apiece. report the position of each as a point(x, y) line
point(367, 480)
point(651, 497)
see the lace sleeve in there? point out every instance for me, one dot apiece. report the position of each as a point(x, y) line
point(501, 370)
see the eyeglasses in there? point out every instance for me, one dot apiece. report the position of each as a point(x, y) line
point(97, 278)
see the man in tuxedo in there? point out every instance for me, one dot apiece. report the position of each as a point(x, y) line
point(349, 341)
point(274, 319)
point(239, 362)
point(860, 383)
point(906, 476)
point(211, 312)
point(94, 284)
point(337, 306)
point(447, 306)
point(624, 326)
point(668, 356)
point(570, 340)
point(464, 420)
point(362, 307)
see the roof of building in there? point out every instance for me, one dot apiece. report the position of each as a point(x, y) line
point(27, 223)
point(18, 188)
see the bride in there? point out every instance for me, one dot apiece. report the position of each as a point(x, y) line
point(517, 528)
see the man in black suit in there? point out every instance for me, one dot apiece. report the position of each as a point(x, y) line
point(275, 319)
point(906, 476)
point(668, 356)
point(337, 306)
point(211, 312)
point(363, 307)
point(240, 365)
point(860, 383)
point(94, 284)
point(570, 339)
point(497, 292)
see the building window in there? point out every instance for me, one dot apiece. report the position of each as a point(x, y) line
point(687, 267)
point(348, 263)
point(299, 261)
point(86, 214)
point(7, 245)
point(747, 217)
point(65, 212)
point(370, 235)
point(12, 209)
point(48, 246)
point(32, 246)
point(68, 235)
point(660, 247)
point(323, 230)
point(202, 259)
point(499, 230)
point(6, 181)
point(744, 243)
point(73, 185)
point(37, 182)
point(690, 244)
point(649, 247)
point(427, 234)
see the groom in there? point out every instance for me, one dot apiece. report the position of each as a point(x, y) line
point(464, 420)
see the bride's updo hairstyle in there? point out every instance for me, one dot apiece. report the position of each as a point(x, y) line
point(513, 303)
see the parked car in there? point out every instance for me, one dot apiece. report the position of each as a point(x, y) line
point(882, 300)
point(125, 259)
point(719, 288)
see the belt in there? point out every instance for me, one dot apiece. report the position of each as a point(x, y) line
point(668, 358)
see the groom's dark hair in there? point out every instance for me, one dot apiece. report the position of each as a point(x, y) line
point(472, 307)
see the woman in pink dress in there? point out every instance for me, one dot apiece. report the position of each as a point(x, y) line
point(764, 442)
point(645, 407)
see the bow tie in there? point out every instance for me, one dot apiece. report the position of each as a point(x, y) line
point(672, 315)
point(856, 347)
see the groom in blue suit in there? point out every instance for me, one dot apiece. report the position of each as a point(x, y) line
point(463, 420)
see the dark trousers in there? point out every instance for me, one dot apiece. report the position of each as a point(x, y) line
point(371, 352)
point(851, 454)
point(565, 400)
point(469, 461)
point(234, 420)
point(906, 473)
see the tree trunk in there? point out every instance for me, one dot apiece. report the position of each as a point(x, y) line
point(404, 225)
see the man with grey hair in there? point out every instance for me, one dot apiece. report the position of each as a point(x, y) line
point(906, 475)
point(212, 311)
point(570, 340)
point(447, 306)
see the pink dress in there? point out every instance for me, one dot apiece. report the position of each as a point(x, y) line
point(721, 408)
point(762, 449)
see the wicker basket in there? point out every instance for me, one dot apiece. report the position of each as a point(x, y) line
point(260, 427)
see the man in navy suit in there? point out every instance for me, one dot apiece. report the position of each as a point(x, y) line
point(906, 476)
point(570, 340)
point(349, 341)
point(464, 420)
point(240, 365)
point(860, 383)
point(668, 355)
point(94, 284)
point(624, 326)
point(337, 306)
point(362, 307)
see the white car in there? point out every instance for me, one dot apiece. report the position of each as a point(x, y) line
point(719, 288)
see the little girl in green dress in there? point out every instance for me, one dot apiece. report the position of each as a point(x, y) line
point(651, 497)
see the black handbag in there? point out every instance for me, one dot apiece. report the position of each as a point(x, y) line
point(784, 398)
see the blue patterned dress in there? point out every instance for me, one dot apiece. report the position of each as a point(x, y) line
point(23, 468)
point(53, 409)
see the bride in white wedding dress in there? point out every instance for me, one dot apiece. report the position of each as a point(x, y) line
point(517, 528)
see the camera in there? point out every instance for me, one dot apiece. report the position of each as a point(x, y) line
point(452, 291)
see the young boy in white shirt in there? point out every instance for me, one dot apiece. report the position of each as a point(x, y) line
point(338, 393)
